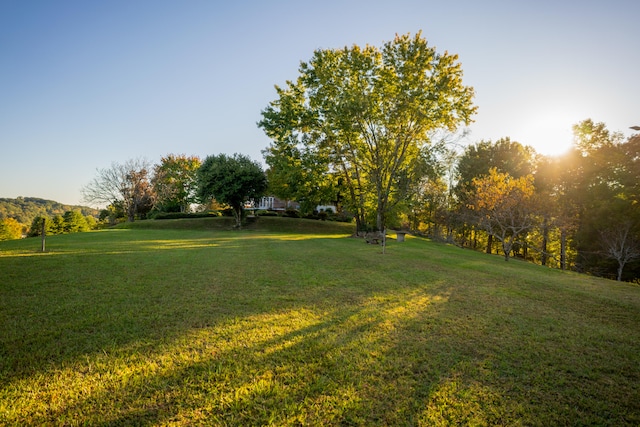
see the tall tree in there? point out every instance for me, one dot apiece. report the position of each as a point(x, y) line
point(503, 206)
point(506, 156)
point(232, 180)
point(124, 183)
point(174, 182)
point(294, 173)
point(370, 111)
point(597, 190)
point(10, 229)
point(621, 244)
point(74, 222)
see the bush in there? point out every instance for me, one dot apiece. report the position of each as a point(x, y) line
point(177, 215)
point(292, 213)
point(266, 213)
point(227, 212)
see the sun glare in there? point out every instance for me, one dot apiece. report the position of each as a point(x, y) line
point(549, 133)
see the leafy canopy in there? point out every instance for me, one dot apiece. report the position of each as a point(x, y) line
point(366, 113)
point(232, 180)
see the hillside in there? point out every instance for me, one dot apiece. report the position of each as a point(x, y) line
point(263, 224)
point(290, 322)
point(24, 209)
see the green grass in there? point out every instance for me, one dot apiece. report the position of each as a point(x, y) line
point(290, 322)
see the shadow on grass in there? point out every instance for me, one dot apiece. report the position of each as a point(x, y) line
point(312, 332)
point(312, 366)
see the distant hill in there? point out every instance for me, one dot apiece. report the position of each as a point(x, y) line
point(25, 209)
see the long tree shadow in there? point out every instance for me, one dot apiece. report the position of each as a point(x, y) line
point(211, 331)
point(322, 373)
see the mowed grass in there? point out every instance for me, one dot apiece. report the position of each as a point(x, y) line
point(291, 322)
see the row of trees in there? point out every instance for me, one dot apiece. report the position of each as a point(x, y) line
point(135, 189)
point(370, 130)
point(576, 211)
point(16, 214)
point(579, 210)
point(70, 222)
point(366, 129)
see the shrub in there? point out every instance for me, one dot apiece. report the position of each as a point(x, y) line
point(177, 215)
point(292, 213)
point(266, 213)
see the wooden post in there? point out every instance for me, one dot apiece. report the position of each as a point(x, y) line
point(44, 232)
point(384, 240)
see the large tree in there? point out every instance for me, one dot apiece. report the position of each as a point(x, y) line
point(123, 183)
point(504, 207)
point(296, 174)
point(506, 156)
point(174, 182)
point(598, 190)
point(10, 229)
point(370, 111)
point(232, 180)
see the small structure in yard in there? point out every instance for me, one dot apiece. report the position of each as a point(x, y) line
point(374, 237)
point(400, 235)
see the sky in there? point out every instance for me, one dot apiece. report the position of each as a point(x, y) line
point(84, 84)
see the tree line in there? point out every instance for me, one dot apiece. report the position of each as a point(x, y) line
point(137, 190)
point(370, 130)
point(17, 215)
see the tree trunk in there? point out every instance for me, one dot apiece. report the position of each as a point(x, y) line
point(620, 268)
point(474, 232)
point(237, 213)
point(563, 250)
point(44, 233)
point(545, 239)
point(489, 243)
point(380, 212)
point(506, 248)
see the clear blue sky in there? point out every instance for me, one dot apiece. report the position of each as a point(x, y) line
point(87, 83)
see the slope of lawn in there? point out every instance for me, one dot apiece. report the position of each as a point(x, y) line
point(291, 322)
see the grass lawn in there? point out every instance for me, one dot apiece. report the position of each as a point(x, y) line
point(290, 322)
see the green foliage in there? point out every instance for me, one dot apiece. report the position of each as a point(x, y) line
point(233, 180)
point(70, 222)
point(291, 213)
point(74, 222)
point(56, 225)
point(365, 114)
point(25, 209)
point(177, 215)
point(296, 173)
point(174, 183)
point(504, 155)
point(113, 213)
point(10, 229)
point(600, 188)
